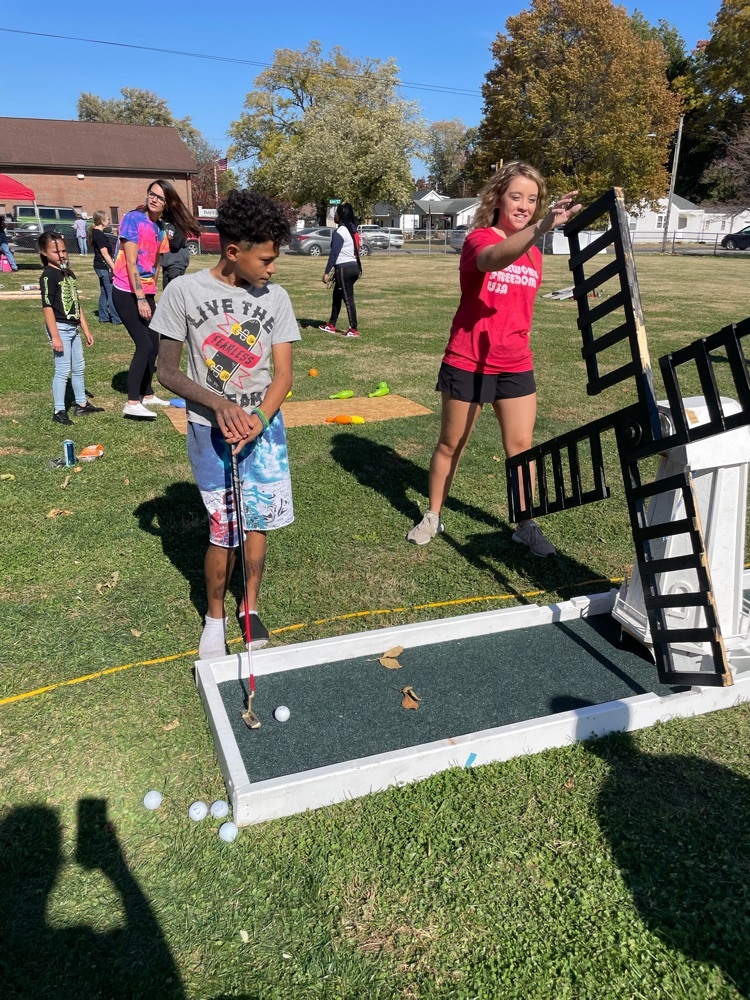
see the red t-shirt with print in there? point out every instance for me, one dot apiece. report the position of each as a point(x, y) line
point(490, 331)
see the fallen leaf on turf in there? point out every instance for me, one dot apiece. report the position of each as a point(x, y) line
point(394, 651)
point(7, 475)
point(389, 662)
point(171, 725)
point(65, 483)
point(411, 698)
point(126, 482)
point(136, 633)
point(569, 783)
point(77, 468)
point(56, 512)
point(245, 936)
point(108, 584)
point(496, 459)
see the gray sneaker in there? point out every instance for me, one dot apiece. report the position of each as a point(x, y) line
point(530, 534)
point(425, 531)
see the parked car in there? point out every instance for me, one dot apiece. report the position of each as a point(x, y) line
point(27, 237)
point(457, 238)
point(378, 241)
point(26, 215)
point(737, 241)
point(395, 236)
point(316, 242)
point(208, 241)
point(369, 228)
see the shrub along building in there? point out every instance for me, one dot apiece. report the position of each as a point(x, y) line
point(92, 166)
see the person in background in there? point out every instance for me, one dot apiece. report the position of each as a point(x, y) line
point(175, 262)
point(4, 248)
point(488, 358)
point(80, 230)
point(347, 268)
point(63, 317)
point(136, 274)
point(103, 244)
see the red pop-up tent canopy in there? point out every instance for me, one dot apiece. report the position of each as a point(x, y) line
point(10, 188)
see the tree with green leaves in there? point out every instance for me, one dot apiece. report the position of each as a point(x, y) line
point(322, 127)
point(144, 107)
point(446, 152)
point(578, 92)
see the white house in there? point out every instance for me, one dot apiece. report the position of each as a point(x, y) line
point(687, 222)
point(429, 210)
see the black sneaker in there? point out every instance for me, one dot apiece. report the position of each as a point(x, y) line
point(61, 417)
point(258, 631)
point(81, 411)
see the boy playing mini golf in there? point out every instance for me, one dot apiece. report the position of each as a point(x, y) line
point(239, 329)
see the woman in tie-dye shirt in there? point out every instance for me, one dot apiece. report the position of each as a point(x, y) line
point(142, 241)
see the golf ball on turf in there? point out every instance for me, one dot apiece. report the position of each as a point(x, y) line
point(152, 799)
point(228, 831)
point(281, 714)
point(198, 811)
point(219, 809)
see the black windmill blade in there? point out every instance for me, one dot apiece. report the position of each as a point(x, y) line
point(556, 465)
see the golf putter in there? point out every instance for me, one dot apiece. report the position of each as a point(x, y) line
point(249, 717)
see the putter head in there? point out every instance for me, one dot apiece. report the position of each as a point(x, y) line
point(249, 717)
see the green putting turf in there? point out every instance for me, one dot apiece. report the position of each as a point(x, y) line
point(352, 708)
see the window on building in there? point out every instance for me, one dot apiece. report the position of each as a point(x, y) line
point(114, 215)
point(723, 225)
point(659, 221)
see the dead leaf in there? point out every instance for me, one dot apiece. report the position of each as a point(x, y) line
point(57, 512)
point(8, 475)
point(495, 458)
point(108, 584)
point(569, 783)
point(136, 633)
point(127, 482)
point(411, 698)
point(65, 483)
point(77, 468)
point(245, 936)
point(171, 725)
point(394, 651)
point(389, 662)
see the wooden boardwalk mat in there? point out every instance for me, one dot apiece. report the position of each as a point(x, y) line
point(307, 413)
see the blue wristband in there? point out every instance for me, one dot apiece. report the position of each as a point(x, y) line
point(261, 416)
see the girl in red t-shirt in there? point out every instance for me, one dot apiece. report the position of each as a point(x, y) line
point(488, 358)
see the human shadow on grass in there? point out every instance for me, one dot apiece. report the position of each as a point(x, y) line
point(380, 468)
point(75, 962)
point(178, 518)
point(678, 829)
point(120, 383)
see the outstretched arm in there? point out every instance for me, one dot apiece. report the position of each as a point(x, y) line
point(507, 251)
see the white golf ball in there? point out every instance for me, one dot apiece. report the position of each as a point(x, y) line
point(219, 809)
point(228, 831)
point(198, 811)
point(281, 714)
point(152, 799)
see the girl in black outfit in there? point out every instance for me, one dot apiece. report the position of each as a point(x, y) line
point(104, 245)
point(344, 259)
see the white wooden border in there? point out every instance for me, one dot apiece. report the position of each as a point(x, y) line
point(255, 802)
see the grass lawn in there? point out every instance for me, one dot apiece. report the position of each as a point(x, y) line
point(617, 869)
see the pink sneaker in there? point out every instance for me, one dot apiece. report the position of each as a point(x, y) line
point(350, 333)
point(327, 328)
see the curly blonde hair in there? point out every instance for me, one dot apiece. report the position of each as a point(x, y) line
point(498, 184)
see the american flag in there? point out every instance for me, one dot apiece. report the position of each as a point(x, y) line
point(222, 165)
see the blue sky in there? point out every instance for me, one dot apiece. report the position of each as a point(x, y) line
point(433, 46)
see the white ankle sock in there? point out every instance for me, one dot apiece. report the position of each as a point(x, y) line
point(212, 642)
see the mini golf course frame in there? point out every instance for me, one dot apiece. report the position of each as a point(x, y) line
point(255, 802)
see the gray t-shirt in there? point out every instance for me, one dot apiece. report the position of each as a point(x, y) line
point(229, 333)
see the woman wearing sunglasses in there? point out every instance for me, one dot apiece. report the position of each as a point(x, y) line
point(143, 239)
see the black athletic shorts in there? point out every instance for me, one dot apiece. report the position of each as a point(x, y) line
point(474, 387)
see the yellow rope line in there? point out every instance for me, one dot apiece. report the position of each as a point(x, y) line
point(294, 628)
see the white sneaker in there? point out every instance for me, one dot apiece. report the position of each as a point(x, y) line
point(425, 531)
point(530, 535)
point(138, 410)
point(154, 401)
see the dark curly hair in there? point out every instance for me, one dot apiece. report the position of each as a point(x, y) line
point(249, 217)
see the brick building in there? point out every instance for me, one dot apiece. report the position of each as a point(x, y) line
point(92, 166)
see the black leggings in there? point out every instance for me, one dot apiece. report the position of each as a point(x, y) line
point(343, 291)
point(145, 339)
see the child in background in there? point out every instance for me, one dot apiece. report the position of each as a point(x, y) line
point(238, 328)
point(64, 320)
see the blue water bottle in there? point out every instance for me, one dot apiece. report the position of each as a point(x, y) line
point(69, 452)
